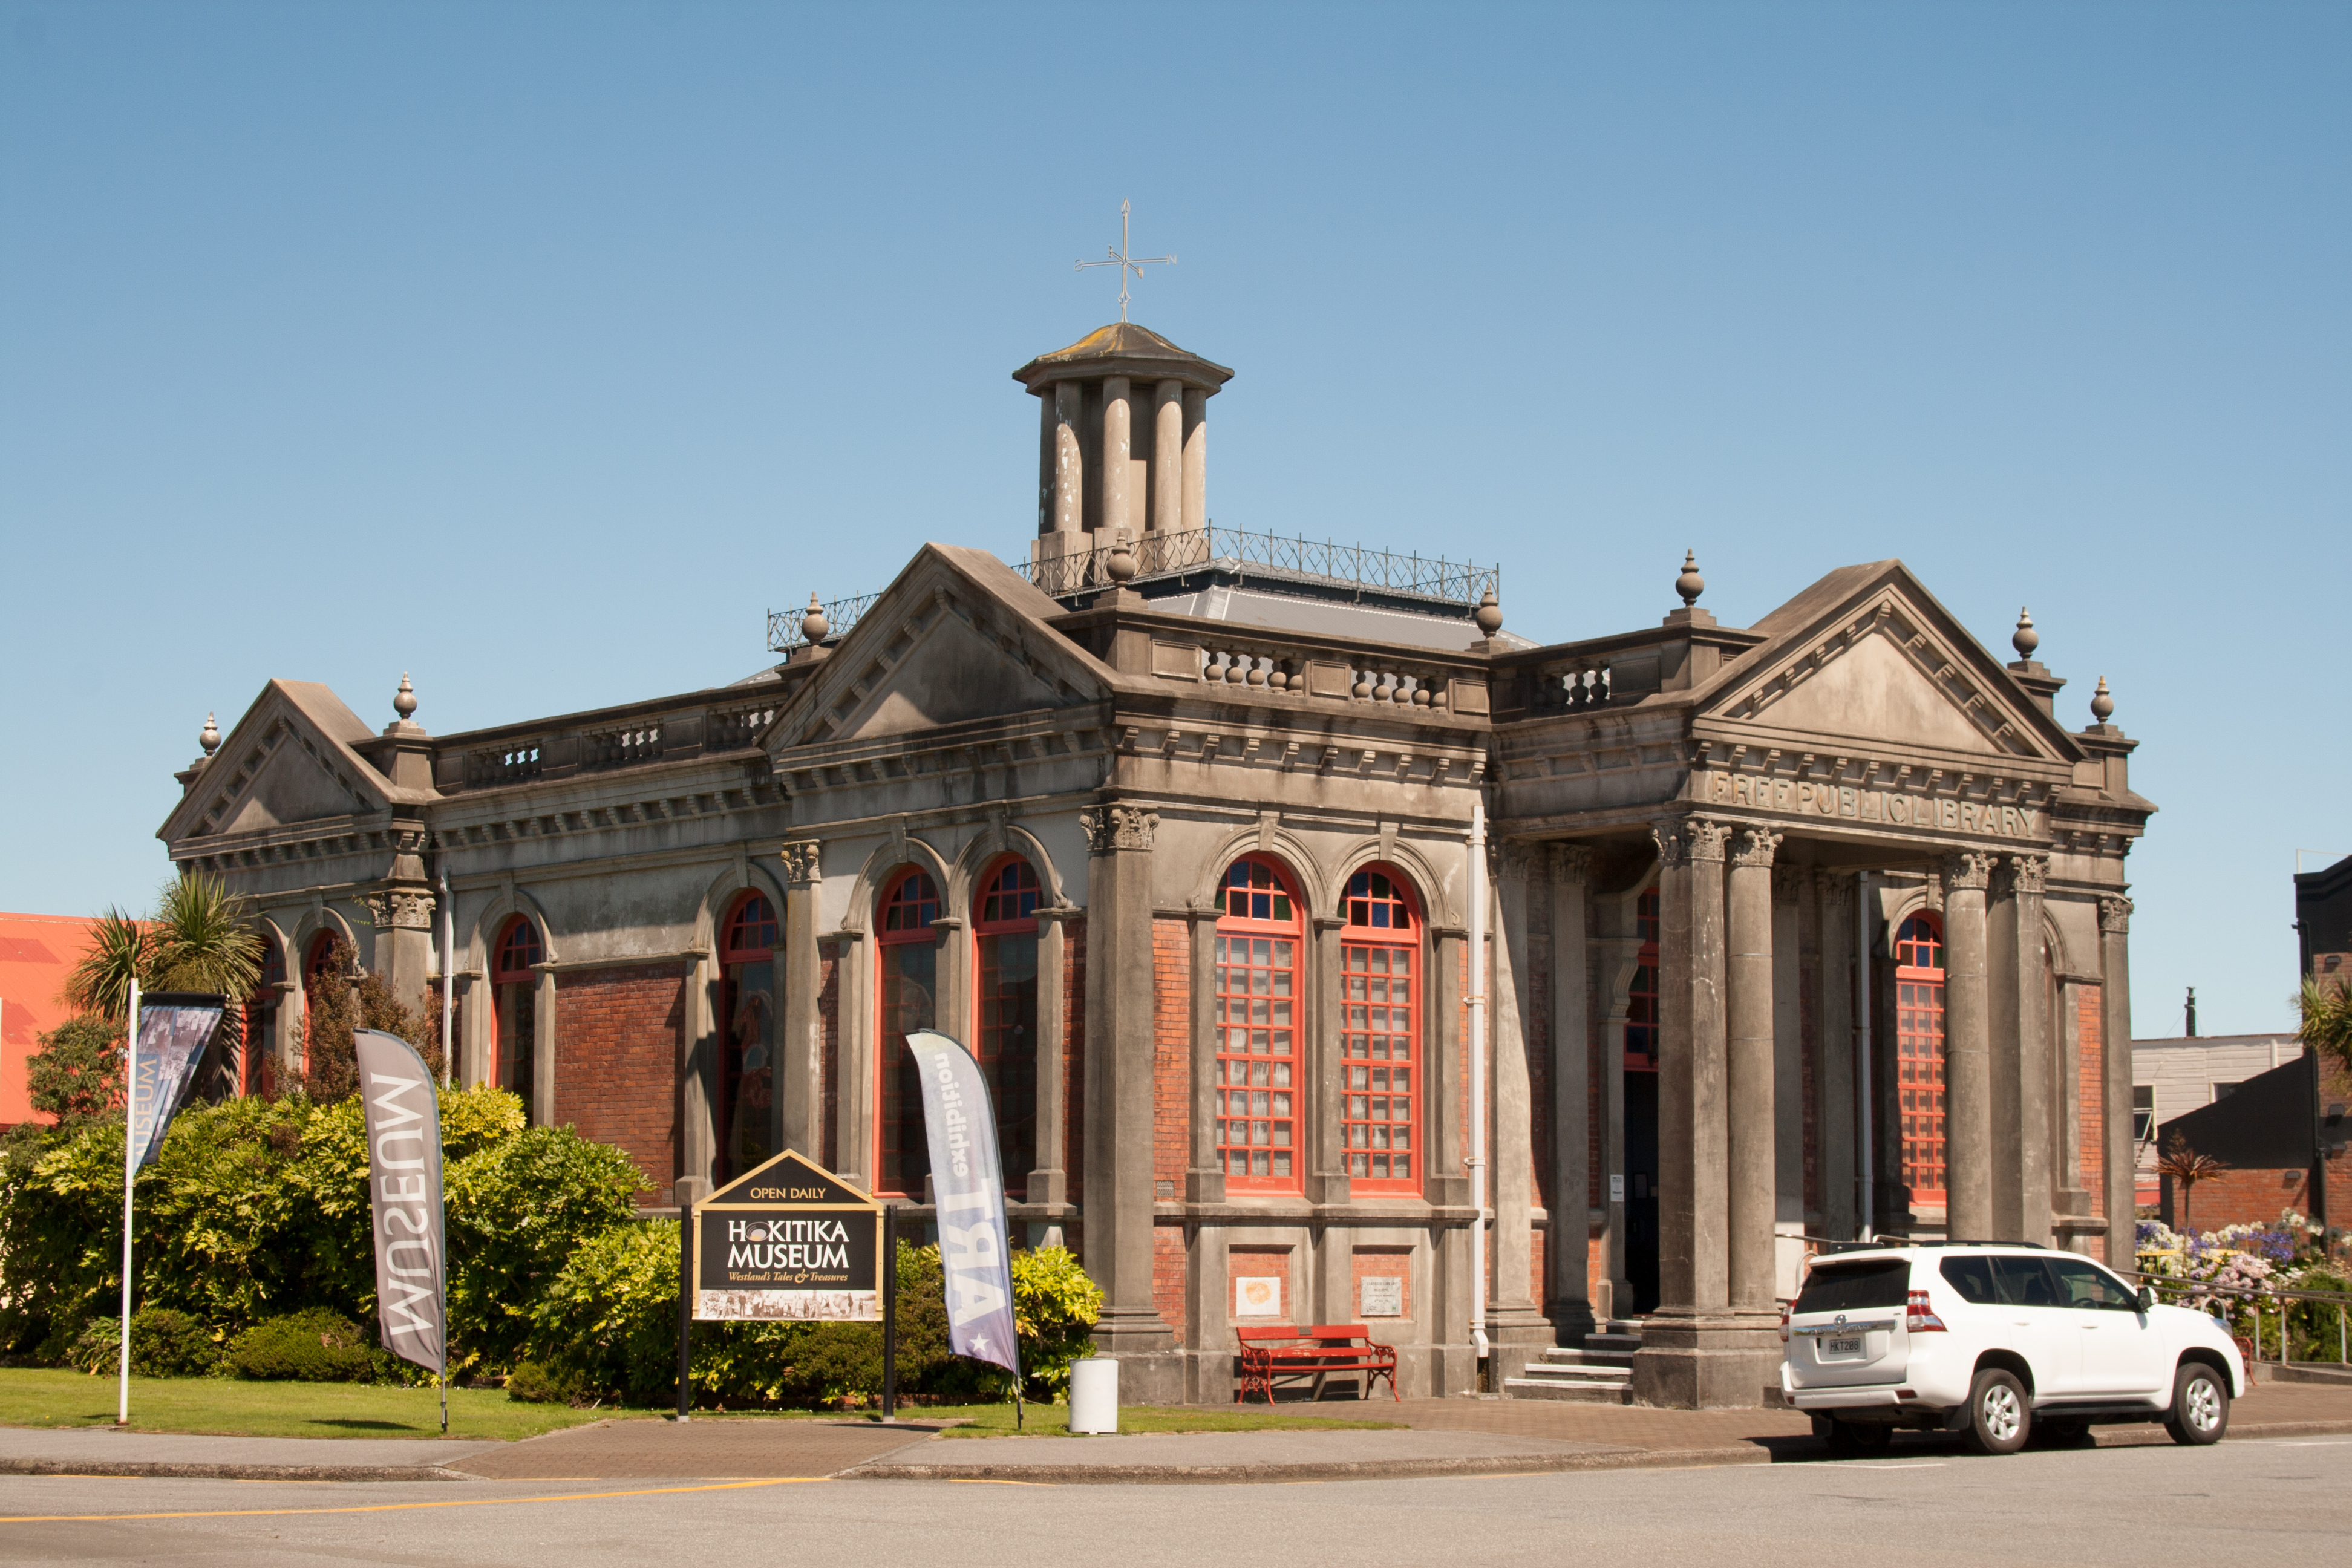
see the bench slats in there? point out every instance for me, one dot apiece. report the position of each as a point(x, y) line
point(1315, 1351)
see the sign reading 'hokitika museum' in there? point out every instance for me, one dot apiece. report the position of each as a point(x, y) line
point(790, 1239)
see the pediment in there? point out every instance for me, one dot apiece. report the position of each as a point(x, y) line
point(288, 759)
point(952, 641)
point(1883, 668)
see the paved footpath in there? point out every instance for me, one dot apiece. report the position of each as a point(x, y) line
point(1441, 1437)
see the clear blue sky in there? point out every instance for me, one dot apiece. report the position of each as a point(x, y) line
point(537, 350)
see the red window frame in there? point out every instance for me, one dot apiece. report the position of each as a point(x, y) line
point(1005, 1032)
point(905, 990)
point(1384, 1071)
point(1641, 1019)
point(1261, 1028)
point(514, 1004)
point(1920, 1053)
point(748, 938)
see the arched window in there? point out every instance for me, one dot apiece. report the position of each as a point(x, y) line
point(1919, 1049)
point(1258, 1030)
point(1004, 939)
point(317, 973)
point(909, 953)
point(747, 1047)
point(514, 1008)
point(1383, 1068)
point(1642, 997)
point(261, 1019)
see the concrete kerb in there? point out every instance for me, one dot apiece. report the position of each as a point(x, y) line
point(176, 1470)
point(1328, 1470)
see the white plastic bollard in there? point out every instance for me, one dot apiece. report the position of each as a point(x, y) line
point(1093, 1395)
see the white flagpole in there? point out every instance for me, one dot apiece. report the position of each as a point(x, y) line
point(448, 987)
point(129, 1169)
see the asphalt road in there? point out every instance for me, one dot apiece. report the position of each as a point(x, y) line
point(2278, 1500)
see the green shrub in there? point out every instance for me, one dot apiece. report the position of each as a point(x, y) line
point(533, 1384)
point(167, 1343)
point(317, 1345)
point(93, 1350)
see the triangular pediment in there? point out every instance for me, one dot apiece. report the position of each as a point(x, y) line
point(289, 760)
point(960, 637)
point(1867, 660)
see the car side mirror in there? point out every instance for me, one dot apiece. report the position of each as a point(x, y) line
point(2146, 1298)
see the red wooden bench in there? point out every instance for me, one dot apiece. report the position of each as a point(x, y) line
point(1317, 1352)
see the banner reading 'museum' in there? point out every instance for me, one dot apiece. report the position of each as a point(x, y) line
point(404, 1137)
point(965, 1177)
point(173, 1029)
point(788, 1240)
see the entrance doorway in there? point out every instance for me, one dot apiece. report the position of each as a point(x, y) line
point(1641, 1189)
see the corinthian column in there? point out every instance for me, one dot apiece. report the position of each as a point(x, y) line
point(1968, 1052)
point(1692, 1176)
point(2115, 1075)
point(1567, 1249)
point(1753, 1142)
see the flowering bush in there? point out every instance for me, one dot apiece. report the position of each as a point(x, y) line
point(2214, 1265)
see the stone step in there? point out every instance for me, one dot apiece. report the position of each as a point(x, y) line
point(1569, 1372)
point(1568, 1392)
point(1620, 1344)
point(1560, 1355)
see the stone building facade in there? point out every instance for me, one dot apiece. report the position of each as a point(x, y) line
point(1784, 931)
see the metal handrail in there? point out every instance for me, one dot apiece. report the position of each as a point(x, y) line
point(1178, 553)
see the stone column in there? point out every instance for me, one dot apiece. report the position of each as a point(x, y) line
point(1050, 1182)
point(1119, 1110)
point(403, 918)
point(542, 1044)
point(1515, 1326)
point(952, 935)
point(1749, 1077)
point(860, 1091)
point(800, 1041)
point(697, 1067)
point(1168, 456)
point(1968, 1052)
point(1196, 458)
point(2021, 1164)
point(1121, 507)
point(1788, 1077)
point(1454, 1362)
point(1069, 462)
point(1322, 1161)
point(2115, 1075)
point(1834, 1079)
point(1567, 1269)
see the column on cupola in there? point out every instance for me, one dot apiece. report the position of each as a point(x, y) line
point(2115, 1075)
point(1749, 1077)
point(1196, 458)
point(1168, 456)
point(801, 1089)
point(1967, 1051)
point(1567, 1245)
point(2023, 1161)
point(1062, 490)
point(1516, 1325)
point(1121, 507)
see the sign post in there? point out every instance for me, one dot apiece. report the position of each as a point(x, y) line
point(177, 1028)
point(401, 1115)
point(975, 1242)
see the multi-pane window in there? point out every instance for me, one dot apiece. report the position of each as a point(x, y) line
point(514, 998)
point(1005, 933)
point(261, 1021)
point(1257, 1004)
point(1919, 1049)
point(910, 955)
point(1380, 1036)
point(1642, 997)
point(747, 1052)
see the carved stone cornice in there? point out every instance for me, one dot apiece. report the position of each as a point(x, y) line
point(1970, 871)
point(1754, 846)
point(1118, 827)
point(1570, 863)
point(2024, 876)
point(800, 868)
point(2114, 915)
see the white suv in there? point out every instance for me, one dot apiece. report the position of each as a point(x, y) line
point(1993, 1340)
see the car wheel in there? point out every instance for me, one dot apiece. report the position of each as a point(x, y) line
point(2200, 1407)
point(2000, 1416)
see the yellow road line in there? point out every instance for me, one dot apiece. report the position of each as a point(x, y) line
point(397, 1507)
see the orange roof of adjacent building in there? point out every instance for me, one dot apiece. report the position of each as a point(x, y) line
point(36, 953)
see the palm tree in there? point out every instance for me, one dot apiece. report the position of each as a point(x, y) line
point(203, 938)
point(120, 951)
point(2187, 1167)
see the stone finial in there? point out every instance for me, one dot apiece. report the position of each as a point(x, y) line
point(1490, 614)
point(2102, 705)
point(814, 627)
point(1120, 564)
point(2024, 639)
point(209, 737)
point(404, 701)
point(1690, 584)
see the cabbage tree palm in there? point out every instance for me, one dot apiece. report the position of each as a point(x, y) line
point(202, 937)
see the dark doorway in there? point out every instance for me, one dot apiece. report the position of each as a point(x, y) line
point(1642, 1188)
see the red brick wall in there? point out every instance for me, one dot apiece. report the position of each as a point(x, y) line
point(1168, 1276)
point(2257, 1197)
point(2090, 1057)
point(1171, 1056)
point(618, 1034)
point(1378, 1263)
point(1258, 1262)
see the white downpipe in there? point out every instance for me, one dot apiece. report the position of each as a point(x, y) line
point(449, 982)
point(1862, 1049)
point(1477, 1161)
point(129, 1170)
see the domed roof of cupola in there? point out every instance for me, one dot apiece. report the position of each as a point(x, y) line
point(1124, 349)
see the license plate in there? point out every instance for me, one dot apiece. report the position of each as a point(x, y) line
point(1848, 1345)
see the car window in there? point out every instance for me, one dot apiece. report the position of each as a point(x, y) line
point(1972, 1278)
point(1850, 1287)
point(2024, 1282)
point(2084, 1284)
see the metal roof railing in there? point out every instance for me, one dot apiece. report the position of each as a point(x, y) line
point(784, 632)
point(1244, 554)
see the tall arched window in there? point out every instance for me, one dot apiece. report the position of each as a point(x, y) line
point(1004, 938)
point(1259, 1065)
point(1382, 1066)
point(514, 1008)
point(908, 952)
point(1919, 1047)
point(1642, 997)
point(261, 1019)
point(317, 973)
point(747, 1051)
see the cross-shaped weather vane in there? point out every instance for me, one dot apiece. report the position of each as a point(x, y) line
point(1124, 262)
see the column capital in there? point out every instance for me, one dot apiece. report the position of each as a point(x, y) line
point(2024, 876)
point(1787, 884)
point(1969, 870)
point(1519, 860)
point(399, 908)
point(1683, 839)
point(2114, 915)
point(1836, 889)
point(800, 860)
point(1119, 826)
point(1571, 862)
point(1753, 845)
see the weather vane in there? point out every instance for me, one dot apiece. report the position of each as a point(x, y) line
point(1124, 262)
